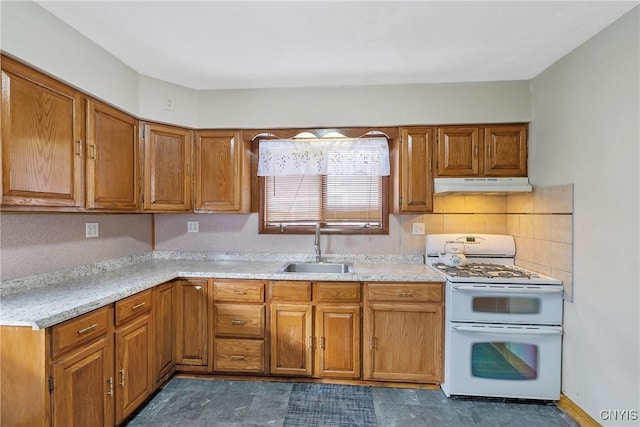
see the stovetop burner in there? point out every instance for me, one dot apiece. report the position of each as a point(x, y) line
point(485, 270)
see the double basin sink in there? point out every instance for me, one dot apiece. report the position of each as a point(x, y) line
point(317, 267)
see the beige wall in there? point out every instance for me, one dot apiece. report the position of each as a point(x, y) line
point(38, 243)
point(586, 131)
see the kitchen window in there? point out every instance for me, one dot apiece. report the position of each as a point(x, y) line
point(341, 183)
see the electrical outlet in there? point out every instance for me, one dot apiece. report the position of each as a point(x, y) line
point(169, 103)
point(192, 227)
point(91, 229)
point(418, 228)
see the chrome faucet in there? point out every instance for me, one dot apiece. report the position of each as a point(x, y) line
point(316, 243)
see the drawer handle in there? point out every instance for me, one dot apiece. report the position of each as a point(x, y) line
point(237, 357)
point(87, 329)
point(239, 292)
point(138, 305)
point(238, 322)
point(406, 294)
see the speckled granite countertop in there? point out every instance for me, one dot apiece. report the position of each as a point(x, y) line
point(48, 299)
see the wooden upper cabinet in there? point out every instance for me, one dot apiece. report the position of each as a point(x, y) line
point(505, 152)
point(167, 168)
point(42, 140)
point(113, 158)
point(222, 172)
point(459, 151)
point(416, 178)
point(495, 150)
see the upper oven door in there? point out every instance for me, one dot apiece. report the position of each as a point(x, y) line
point(492, 303)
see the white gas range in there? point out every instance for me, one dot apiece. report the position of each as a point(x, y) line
point(503, 323)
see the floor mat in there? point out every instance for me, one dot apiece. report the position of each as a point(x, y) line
point(330, 405)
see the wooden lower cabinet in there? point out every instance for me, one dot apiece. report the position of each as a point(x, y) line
point(403, 332)
point(134, 364)
point(164, 316)
point(192, 322)
point(315, 329)
point(239, 326)
point(291, 339)
point(83, 387)
point(338, 341)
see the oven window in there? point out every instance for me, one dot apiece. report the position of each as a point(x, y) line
point(507, 305)
point(504, 361)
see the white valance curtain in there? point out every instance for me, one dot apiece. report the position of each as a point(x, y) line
point(363, 156)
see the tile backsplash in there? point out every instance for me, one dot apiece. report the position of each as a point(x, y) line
point(540, 221)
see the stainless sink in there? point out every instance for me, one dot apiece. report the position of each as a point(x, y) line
point(317, 267)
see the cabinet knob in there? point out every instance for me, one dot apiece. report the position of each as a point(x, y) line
point(197, 288)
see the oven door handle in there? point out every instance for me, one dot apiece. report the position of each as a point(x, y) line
point(510, 331)
point(507, 289)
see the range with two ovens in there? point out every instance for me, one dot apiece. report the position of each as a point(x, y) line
point(503, 323)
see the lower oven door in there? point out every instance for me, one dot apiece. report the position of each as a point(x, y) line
point(502, 303)
point(513, 361)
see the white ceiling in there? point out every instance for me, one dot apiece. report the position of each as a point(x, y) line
point(263, 44)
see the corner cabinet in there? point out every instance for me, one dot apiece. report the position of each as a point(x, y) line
point(403, 332)
point(222, 180)
point(416, 177)
point(42, 141)
point(495, 150)
point(192, 324)
point(167, 168)
point(112, 159)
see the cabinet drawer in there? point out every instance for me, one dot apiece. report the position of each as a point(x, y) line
point(337, 291)
point(289, 290)
point(238, 290)
point(133, 306)
point(80, 330)
point(235, 355)
point(405, 292)
point(239, 320)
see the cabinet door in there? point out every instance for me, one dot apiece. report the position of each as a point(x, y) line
point(505, 152)
point(113, 156)
point(167, 168)
point(133, 366)
point(458, 152)
point(164, 315)
point(416, 183)
point(338, 336)
point(403, 342)
point(83, 387)
point(291, 339)
point(192, 322)
point(220, 172)
point(42, 140)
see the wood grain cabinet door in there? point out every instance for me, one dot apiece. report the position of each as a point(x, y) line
point(505, 151)
point(459, 151)
point(192, 331)
point(113, 156)
point(403, 342)
point(338, 337)
point(133, 366)
point(291, 339)
point(416, 186)
point(164, 316)
point(167, 168)
point(42, 140)
point(221, 172)
point(84, 388)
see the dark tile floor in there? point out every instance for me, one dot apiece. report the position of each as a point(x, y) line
point(186, 402)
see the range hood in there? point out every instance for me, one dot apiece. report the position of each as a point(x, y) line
point(481, 185)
